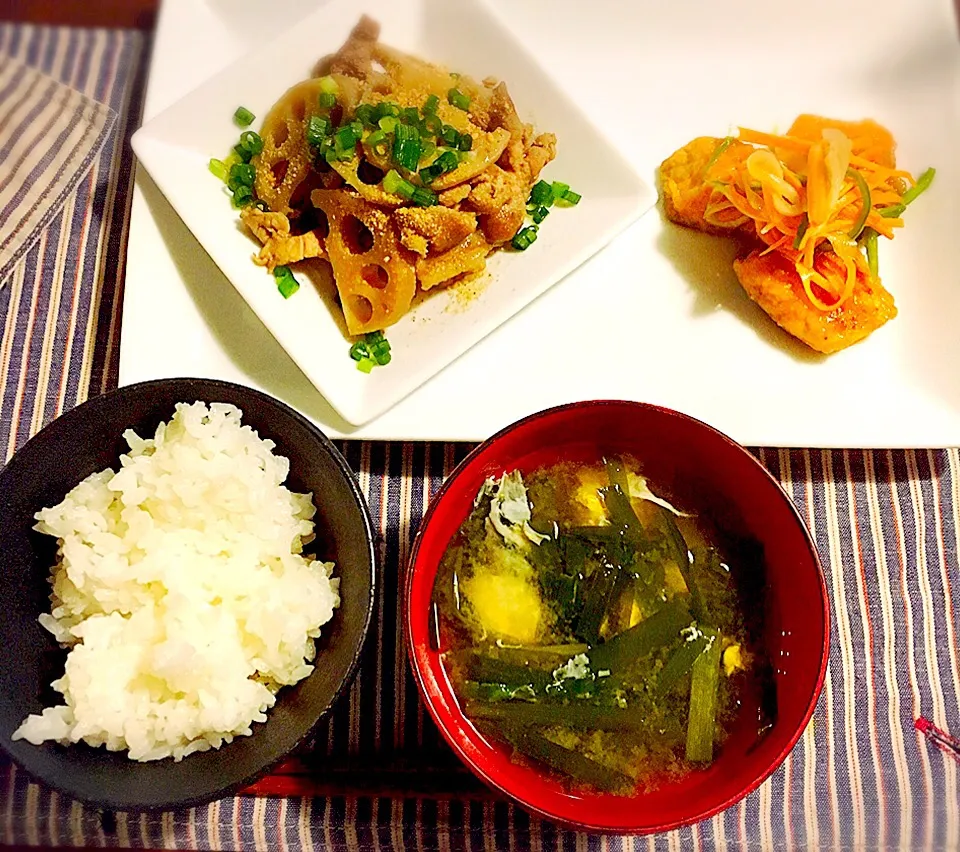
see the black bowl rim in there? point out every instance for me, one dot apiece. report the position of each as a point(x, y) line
point(478, 771)
point(65, 420)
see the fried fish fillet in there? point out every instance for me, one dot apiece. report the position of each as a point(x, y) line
point(772, 281)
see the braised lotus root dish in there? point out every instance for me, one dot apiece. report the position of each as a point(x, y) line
point(401, 174)
point(809, 207)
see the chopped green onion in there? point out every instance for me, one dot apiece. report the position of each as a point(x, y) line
point(243, 117)
point(922, 184)
point(366, 365)
point(241, 174)
point(378, 143)
point(379, 347)
point(231, 160)
point(431, 104)
point(458, 99)
point(327, 100)
point(286, 283)
point(447, 161)
point(242, 152)
point(251, 141)
point(347, 137)
point(558, 188)
point(386, 109)
point(450, 135)
point(394, 184)
point(318, 128)
point(374, 336)
point(242, 196)
point(542, 194)
point(539, 214)
point(328, 85)
point(406, 147)
point(465, 142)
point(524, 238)
point(866, 202)
point(433, 125)
point(428, 174)
point(359, 350)
point(410, 115)
point(801, 231)
point(570, 197)
point(427, 149)
point(423, 197)
point(364, 113)
point(388, 124)
point(218, 169)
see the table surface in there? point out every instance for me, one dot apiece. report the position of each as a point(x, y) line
point(887, 524)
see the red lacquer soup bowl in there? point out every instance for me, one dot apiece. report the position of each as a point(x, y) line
point(709, 474)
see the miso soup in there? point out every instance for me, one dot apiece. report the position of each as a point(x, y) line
point(592, 627)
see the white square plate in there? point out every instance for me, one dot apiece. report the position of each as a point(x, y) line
point(658, 315)
point(176, 146)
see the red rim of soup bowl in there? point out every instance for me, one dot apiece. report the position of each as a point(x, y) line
point(743, 762)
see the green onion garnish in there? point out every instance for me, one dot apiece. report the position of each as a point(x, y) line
point(423, 197)
point(524, 238)
point(327, 100)
point(242, 152)
point(242, 196)
point(378, 143)
point(218, 169)
point(365, 364)
point(388, 124)
point(570, 197)
point(243, 117)
point(251, 141)
point(465, 142)
point(365, 113)
point(378, 347)
point(539, 214)
point(347, 137)
point(427, 149)
point(542, 194)
point(286, 283)
point(431, 104)
point(458, 99)
point(394, 184)
point(241, 174)
point(385, 109)
point(410, 115)
point(450, 135)
point(433, 125)
point(447, 161)
point(318, 128)
point(558, 188)
point(328, 85)
point(406, 147)
point(359, 350)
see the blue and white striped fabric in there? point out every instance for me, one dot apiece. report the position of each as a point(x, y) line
point(49, 136)
point(380, 778)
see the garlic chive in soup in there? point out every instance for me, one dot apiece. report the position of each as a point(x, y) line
point(593, 629)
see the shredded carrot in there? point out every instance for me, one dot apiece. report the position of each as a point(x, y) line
point(810, 195)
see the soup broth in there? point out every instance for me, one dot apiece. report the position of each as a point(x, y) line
point(590, 626)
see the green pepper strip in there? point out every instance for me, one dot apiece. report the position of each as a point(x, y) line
point(704, 689)
point(867, 203)
point(870, 243)
point(653, 632)
point(724, 143)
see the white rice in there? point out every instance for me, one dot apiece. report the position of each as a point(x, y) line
point(181, 590)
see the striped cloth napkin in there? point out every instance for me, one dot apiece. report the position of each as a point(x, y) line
point(49, 137)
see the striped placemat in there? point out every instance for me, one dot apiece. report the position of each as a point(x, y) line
point(378, 776)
